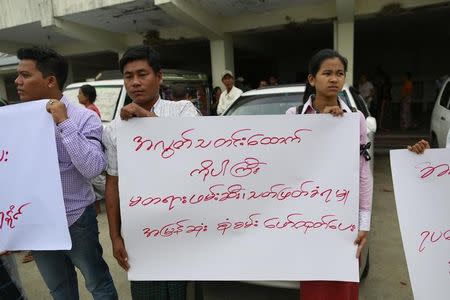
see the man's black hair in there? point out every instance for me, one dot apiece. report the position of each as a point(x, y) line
point(48, 62)
point(141, 52)
point(89, 91)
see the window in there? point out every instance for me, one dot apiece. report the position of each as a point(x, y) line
point(445, 96)
point(275, 104)
point(107, 99)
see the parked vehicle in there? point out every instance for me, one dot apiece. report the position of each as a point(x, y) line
point(3, 102)
point(112, 96)
point(440, 118)
point(276, 100)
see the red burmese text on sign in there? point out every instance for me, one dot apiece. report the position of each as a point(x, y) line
point(432, 238)
point(426, 170)
point(208, 168)
point(307, 189)
point(188, 139)
point(293, 221)
point(11, 215)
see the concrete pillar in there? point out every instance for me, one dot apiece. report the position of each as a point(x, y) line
point(222, 58)
point(344, 44)
point(3, 94)
point(70, 78)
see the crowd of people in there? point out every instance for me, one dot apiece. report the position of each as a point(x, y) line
point(86, 151)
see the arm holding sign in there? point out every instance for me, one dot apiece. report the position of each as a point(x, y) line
point(113, 212)
point(419, 147)
point(365, 191)
point(133, 110)
point(83, 143)
point(112, 196)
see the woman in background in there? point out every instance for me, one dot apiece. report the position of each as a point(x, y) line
point(87, 96)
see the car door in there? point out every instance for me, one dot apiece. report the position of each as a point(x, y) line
point(442, 116)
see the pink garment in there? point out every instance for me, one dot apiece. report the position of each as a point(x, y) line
point(365, 178)
point(94, 107)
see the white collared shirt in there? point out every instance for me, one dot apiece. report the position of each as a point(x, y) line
point(162, 108)
point(226, 99)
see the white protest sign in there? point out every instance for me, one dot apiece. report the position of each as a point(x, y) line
point(422, 189)
point(240, 198)
point(32, 213)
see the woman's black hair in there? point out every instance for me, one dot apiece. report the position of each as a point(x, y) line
point(314, 66)
point(89, 92)
point(215, 90)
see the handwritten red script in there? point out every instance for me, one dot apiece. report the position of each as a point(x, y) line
point(432, 238)
point(220, 193)
point(190, 139)
point(293, 221)
point(209, 168)
point(4, 156)
point(426, 170)
point(12, 215)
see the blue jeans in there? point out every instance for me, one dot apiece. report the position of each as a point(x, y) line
point(58, 267)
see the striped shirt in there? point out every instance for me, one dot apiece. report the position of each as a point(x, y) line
point(162, 108)
point(365, 178)
point(80, 157)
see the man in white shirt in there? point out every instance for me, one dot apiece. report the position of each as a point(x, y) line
point(366, 89)
point(230, 94)
point(141, 69)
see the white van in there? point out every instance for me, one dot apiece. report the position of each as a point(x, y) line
point(440, 118)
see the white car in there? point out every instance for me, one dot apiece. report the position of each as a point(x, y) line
point(277, 100)
point(440, 118)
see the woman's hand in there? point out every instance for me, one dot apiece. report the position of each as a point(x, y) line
point(361, 240)
point(336, 111)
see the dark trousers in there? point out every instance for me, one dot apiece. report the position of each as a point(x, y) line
point(8, 290)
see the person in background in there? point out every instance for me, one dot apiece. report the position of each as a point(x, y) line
point(41, 74)
point(217, 91)
point(230, 94)
point(241, 84)
point(273, 80)
point(179, 92)
point(327, 69)
point(202, 101)
point(87, 96)
point(263, 83)
point(384, 97)
point(367, 90)
point(405, 102)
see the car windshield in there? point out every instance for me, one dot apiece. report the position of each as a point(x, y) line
point(274, 104)
point(107, 99)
